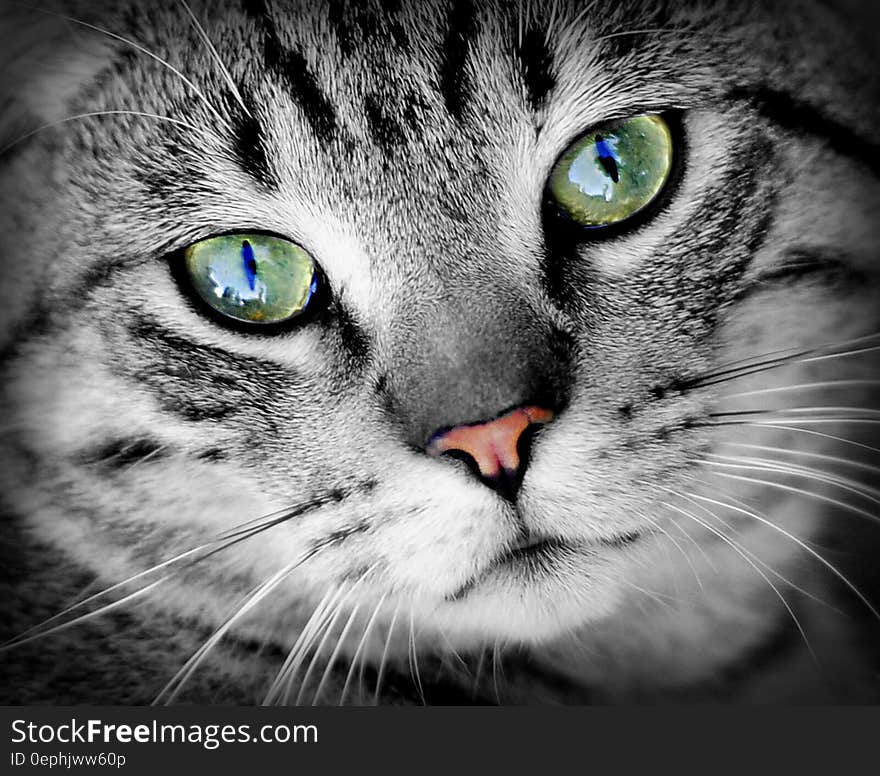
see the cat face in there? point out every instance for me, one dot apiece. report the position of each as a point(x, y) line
point(677, 360)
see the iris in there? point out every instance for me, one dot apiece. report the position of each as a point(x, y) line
point(252, 278)
point(609, 175)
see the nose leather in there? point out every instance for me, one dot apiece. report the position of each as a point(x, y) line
point(493, 445)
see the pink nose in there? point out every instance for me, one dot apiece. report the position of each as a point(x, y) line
point(493, 445)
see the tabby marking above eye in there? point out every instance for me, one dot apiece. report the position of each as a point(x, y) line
point(251, 278)
point(611, 173)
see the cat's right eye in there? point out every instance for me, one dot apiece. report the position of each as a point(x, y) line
point(614, 172)
point(251, 280)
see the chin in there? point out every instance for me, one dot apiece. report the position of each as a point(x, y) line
point(531, 595)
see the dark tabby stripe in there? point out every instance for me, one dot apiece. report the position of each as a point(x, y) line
point(455, 85)
point(798, 116)
point(536, 63)
point(357, 23)
point(384, 128)
point(249, 145)
point(290, 67)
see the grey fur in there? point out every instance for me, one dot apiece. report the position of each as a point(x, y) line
point(407, 149)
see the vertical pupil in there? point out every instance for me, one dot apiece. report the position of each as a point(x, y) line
point(606, 158)
point(250, 264)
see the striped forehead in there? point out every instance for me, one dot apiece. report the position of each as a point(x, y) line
point(390, 76)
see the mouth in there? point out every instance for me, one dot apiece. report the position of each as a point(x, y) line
point(534, 556)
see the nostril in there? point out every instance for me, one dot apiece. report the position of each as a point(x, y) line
point(466, 458)
point(497, 451)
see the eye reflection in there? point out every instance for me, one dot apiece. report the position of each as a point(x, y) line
point(595, 170)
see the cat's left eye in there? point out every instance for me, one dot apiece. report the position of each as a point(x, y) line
point(610, 174)
point(251, 279)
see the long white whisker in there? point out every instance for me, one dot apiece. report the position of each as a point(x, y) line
point(800, 543)
point(806, 472)
point(325, 639)
point(198, 92)
point(736, 548)
point(98, 113)
point(808, 431)
point(224, 71)
point(25, 639)
point(414, 659)
point(334, 655)
point(171, 690)
point(652, 594)
point(800, 491)
point(360, 648)
point(678, 547)
point(383, 661)
point(228, 537)
point(340, 642)
point(799, 387)
point(496, 659)
point(807, 454)
point(715, 516)
point(280, 688)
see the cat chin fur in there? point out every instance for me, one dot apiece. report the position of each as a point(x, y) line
point(671, 612)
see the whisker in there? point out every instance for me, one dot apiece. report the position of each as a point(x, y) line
point(799, 542)
point(770, 360)
point(340, 641)
point(715, 516)
point(383, 661)
point(687, 557)
point(696, 544)
point(225, 540)
point(740, 551)
point(784, 421)
point(800, 491)
point(496, 659)
point(478, 674)
point(414, 660)
point(808, 454)
point(224, 70)
point(327, 633)
point(198, 92)
point(98, 113)
point(170, 692)
point(281, 687)
point(785, 412)
point(807, 472)
point(335, 654)
point(664, 600)
point(360, 648)
point(26, 639)
point(810, 432)
point(800, 387)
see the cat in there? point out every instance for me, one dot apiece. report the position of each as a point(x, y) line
point(439, 352)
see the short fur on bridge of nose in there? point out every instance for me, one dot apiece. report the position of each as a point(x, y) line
point(492, 444)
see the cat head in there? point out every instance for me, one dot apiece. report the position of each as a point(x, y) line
point(455, 313)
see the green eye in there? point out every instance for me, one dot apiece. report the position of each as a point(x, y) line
point(612, 173)
point(252, 278)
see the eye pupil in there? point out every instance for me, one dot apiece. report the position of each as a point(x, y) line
point(250, 264)
point(607, 159)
